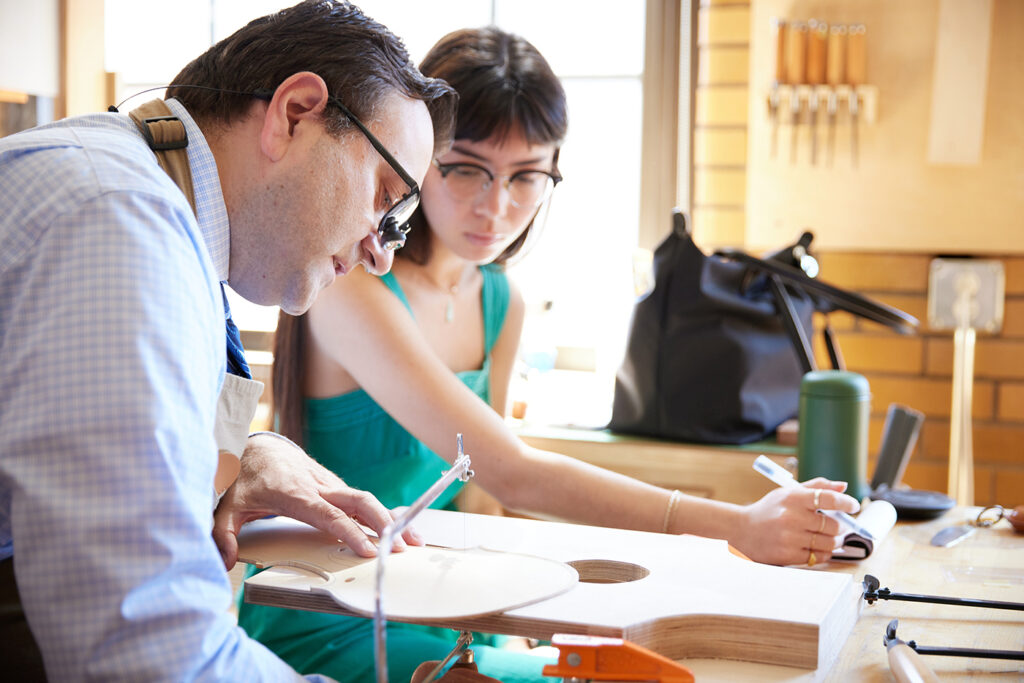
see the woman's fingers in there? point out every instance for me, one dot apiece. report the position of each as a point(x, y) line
point(823, 497)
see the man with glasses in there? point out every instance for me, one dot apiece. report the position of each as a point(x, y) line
point(299, 142)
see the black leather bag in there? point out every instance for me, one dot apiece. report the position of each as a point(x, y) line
point(717, 349)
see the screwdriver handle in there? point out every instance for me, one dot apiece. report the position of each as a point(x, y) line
point(779, 33)
point(856, 58)
point(796, 53)
point(835, 58)
point(817, 43)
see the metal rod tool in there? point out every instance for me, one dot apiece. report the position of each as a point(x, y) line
point(872, 592)
point(462, 650)
point(890, 637)
point(460, 470)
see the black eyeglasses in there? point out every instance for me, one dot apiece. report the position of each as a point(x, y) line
point(395, 225)
point(527, 189)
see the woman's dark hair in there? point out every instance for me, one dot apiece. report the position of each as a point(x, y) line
point(505, 86)
point(360, 60)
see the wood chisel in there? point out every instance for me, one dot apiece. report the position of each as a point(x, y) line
point(817, 40)
point(796, 74)
point(835, 75)
point(905, 664)
point(779, 32)
point(856, 66)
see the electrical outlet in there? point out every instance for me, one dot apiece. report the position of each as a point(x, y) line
point(978, 285)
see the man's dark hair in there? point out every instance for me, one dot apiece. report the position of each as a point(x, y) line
point(360, 60)
point(505, 87)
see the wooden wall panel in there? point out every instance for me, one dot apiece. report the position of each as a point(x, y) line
point(723, 25)
point(720, 147)
point(895, 199)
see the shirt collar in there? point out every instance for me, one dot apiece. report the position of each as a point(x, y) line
point(211, 213)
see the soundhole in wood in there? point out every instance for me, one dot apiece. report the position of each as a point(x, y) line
point(608, 571)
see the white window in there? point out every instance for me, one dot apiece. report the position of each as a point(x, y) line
point(583, 263)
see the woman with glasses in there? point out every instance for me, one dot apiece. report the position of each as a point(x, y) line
point(379, 376)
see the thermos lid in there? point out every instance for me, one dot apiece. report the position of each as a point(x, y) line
point(835, 384)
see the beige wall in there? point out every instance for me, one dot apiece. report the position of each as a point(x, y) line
point(895, 199)
point(878, 226)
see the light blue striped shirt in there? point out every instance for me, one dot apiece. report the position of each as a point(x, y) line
point(112, 352)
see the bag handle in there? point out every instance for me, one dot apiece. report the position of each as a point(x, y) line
point(857, 304)
point(681, 224)
point(797, 335)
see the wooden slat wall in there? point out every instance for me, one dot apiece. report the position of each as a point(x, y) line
point(720, 127)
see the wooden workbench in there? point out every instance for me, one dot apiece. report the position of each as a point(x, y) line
point(988, 565)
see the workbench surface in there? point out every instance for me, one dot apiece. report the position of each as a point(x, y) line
point(989, 564)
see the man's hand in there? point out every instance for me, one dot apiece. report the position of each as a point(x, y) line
point(279, 479)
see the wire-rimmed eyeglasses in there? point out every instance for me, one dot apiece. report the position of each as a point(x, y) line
point(394, 226)
point(527, 189)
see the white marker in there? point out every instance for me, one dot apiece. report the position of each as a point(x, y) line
point(783, 478)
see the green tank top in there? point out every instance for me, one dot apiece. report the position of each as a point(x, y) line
point(353, 436)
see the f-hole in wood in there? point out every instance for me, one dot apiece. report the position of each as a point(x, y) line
point(608, 571)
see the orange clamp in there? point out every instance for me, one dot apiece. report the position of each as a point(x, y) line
point(612, 659)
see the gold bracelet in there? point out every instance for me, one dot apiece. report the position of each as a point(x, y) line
point(672, 500)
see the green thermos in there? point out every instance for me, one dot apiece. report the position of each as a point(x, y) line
point(833, 438)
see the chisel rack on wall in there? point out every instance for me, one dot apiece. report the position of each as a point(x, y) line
point(819, 83)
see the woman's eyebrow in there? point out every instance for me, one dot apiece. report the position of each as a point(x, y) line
point(479, 157)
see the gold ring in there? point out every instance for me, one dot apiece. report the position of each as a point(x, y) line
point(817, 496)
point(821, 526)
point(811, 559)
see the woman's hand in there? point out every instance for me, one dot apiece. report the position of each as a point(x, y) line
point(785, 527)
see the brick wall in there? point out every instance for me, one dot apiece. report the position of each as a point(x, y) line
point(916, 371)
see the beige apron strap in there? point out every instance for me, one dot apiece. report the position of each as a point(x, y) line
point(236, 406)
point(166, 136)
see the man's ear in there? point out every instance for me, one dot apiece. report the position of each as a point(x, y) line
point(300, 99)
